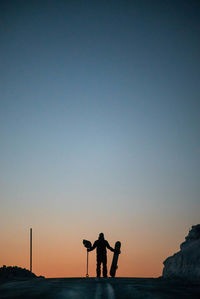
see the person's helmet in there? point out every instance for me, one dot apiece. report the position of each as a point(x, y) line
point(87, 244)
point(101, 236)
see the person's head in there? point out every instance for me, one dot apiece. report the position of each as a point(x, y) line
point(101, 236)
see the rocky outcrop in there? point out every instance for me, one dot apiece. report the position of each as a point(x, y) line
point(15, 273)
point(186, 262)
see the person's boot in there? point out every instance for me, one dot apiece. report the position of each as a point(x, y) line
point(98, 272)
point(105, 271)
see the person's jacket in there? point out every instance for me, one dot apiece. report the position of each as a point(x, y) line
point(101, 246)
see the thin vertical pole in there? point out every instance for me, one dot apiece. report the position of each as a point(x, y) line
point(87, 275)
point(31, 249)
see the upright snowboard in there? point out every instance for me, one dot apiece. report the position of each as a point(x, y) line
point(114, 266)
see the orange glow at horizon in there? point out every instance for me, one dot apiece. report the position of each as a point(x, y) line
point(58, 255)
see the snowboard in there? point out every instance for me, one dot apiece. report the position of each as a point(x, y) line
point(114, 266)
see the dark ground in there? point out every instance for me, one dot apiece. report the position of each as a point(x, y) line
point(86, 288)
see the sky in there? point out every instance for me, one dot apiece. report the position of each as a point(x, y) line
point(99, 131)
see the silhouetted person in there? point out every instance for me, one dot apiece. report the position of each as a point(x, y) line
point(101, 244)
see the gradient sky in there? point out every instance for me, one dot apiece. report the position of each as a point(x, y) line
point(99, 113)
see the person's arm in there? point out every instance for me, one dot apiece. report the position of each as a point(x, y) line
point(93, 247)
point(109, 247)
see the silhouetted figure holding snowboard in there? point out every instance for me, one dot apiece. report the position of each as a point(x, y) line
point(101, 244)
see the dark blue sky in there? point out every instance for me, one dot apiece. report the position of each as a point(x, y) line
point(99, 106)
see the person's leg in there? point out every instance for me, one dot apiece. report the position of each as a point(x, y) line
point(98, 267)
point(105, 266)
